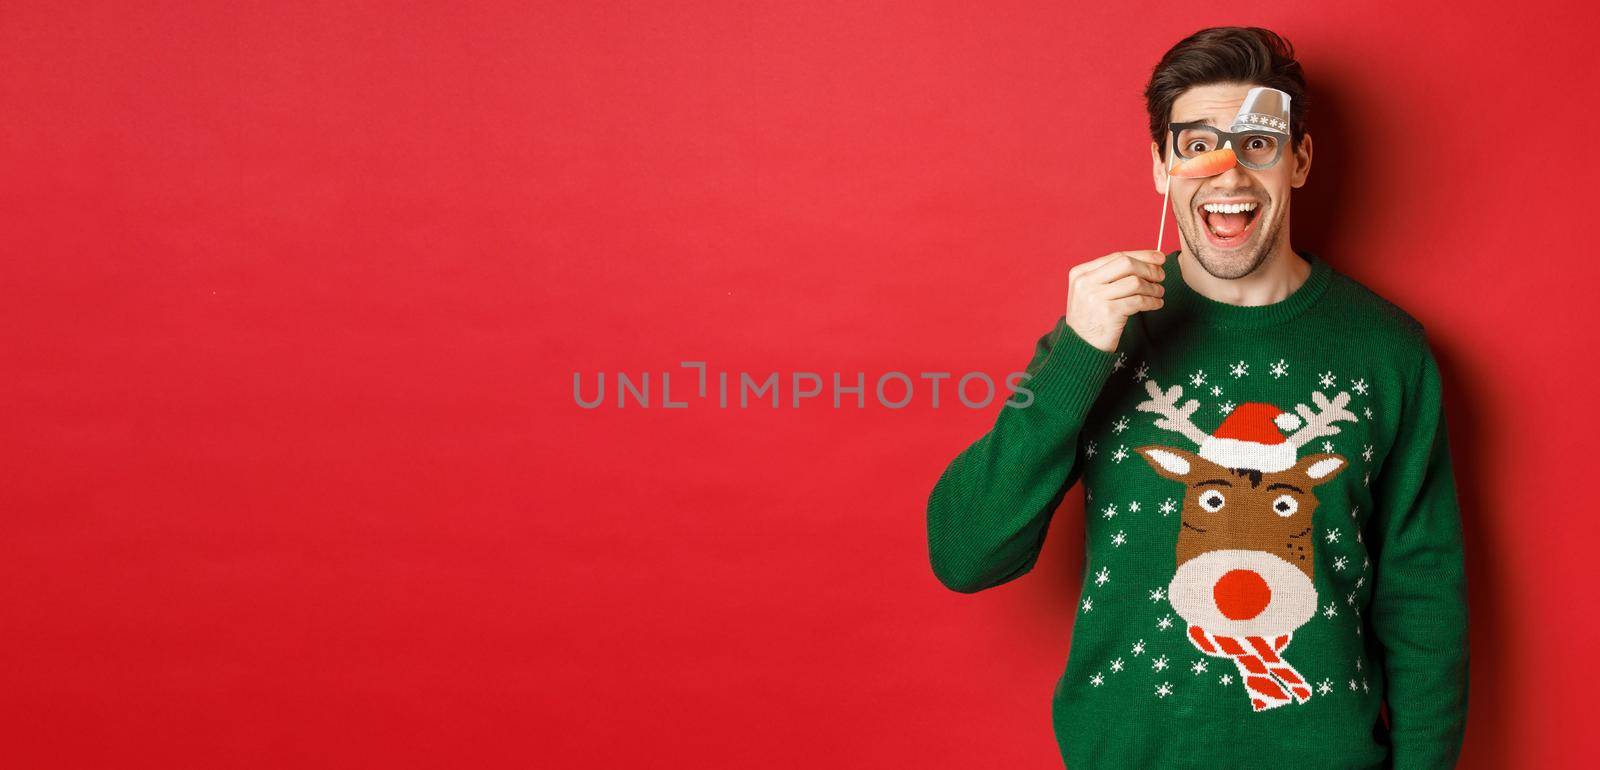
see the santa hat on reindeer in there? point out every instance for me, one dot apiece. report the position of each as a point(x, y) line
point(1250, 437)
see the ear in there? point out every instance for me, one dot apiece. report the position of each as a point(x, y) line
point(1302, 161)
point(1158, 168)
point(1320, 468)
point(1172, 462)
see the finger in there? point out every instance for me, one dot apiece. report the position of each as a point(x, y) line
point(1135, 303)
point(1084, 268)
point(1093, 265)
point(1133, 284)
point(1127, 265)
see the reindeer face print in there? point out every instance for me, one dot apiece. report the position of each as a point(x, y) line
point(1244, 562)
point(1245, 508)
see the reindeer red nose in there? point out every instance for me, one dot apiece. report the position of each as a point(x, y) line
point(1241, 594)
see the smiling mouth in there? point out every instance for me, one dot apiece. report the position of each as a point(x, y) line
point(1229, 225)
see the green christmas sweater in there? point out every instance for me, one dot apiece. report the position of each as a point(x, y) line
point(1273, 543)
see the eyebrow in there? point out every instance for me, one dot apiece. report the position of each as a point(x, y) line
point(1222, 482)
point(1207, 120)
point(1278, 484)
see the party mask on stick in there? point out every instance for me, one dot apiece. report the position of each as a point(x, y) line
point(1256, 137)
point(1254, 140)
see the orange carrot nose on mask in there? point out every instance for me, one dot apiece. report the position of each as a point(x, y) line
point(1205, 164)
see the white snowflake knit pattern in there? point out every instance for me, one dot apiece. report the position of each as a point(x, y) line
point(1266, 676)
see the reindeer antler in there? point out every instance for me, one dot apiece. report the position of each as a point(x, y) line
point(1320, 422)
point(1172, 417)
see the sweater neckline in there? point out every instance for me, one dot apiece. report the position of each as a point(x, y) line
point(1203, 309)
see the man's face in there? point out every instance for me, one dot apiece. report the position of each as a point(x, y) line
point(1231, 245)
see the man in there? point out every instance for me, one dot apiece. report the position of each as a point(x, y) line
point(1273, 545)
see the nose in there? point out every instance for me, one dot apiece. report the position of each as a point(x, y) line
point(1241, 594)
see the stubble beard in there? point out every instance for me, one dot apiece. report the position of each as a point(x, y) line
point(1229, 269)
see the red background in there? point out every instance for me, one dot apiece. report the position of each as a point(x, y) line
point(294, 294)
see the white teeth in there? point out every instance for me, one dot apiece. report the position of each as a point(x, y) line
point(1229, 208)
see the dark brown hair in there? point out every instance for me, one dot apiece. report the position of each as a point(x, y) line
point(1226, 55)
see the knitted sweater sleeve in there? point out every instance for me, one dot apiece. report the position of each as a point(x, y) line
point(989, 510)
point(1419, 603)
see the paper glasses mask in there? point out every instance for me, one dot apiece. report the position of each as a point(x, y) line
point(1255, 140)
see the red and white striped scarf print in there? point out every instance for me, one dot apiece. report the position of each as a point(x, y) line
point(1268, 679)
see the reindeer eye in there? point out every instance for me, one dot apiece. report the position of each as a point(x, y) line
point(1285, 505)
point(1212, 500)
